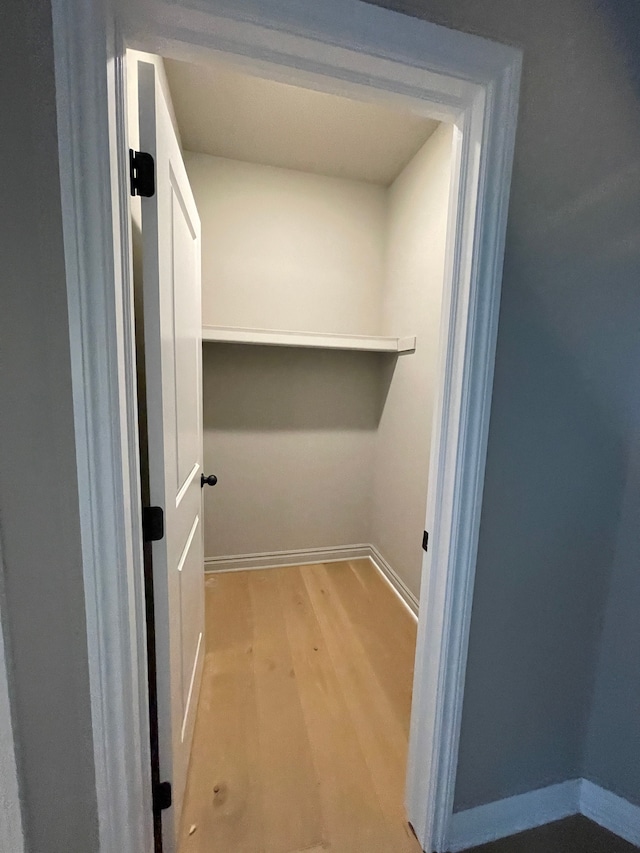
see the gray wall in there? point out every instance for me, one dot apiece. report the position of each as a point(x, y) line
point(38, 498)
point(565, 403)
point(613, 744)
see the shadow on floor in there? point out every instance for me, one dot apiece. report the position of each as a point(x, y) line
point(571, 835)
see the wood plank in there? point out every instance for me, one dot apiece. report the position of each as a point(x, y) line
point(300, 742)
point(380, 621)
point(223, 798)
point(351, 809)
point(292, 814)
point(378, 729)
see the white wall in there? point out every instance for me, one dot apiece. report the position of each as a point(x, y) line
point(418, 203)
point(287, 249)
point(290, 434)
point(305, 455)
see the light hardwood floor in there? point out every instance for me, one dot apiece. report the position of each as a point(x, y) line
point(301, 734)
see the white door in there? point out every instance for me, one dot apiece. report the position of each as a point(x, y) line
point(173, 369)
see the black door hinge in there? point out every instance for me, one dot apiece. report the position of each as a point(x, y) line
point(425, 541)
point(162, 797)
point(142, 171)
point(152, 523)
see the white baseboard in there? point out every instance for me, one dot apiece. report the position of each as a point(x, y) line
point(274, 559)
point(514, 814)
point(610, 811)
point(535, 808)
point(308, 556)
point(399, 586)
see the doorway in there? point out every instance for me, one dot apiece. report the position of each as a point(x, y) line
point(483, 111)
point(323, 223)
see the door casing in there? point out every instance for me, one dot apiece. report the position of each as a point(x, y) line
point(341, 46)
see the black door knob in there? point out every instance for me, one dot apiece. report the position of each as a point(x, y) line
point(211, 480)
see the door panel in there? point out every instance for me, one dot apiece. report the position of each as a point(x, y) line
point(191, 605)
point(187, 337)
point(173, 356)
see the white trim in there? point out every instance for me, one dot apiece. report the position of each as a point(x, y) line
point(311, 340)
point(185, 550)
point(483, 153)
point(197, 661)
point(278, 559)
point(506, 817)
point(185, 486)
point(309, 556)
point(610, 811)
point(395, 581)
point(343, 46)
point(90, 95)
point(503, 818)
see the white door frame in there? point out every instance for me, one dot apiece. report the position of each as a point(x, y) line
point(341, 46)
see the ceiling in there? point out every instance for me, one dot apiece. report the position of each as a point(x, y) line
point(227, 113)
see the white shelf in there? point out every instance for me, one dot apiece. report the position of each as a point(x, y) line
point(271, 337)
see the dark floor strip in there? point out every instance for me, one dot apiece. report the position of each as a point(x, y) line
point(571, 835)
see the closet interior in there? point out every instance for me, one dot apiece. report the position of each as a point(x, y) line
point(323, 224)
point(323, 232)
